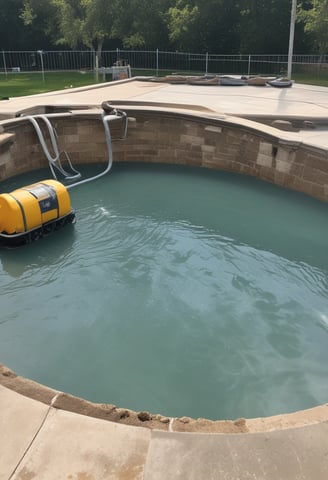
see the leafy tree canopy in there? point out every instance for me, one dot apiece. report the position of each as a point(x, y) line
point(141, 23)
point(314, 15)
point(73, 22)
point(215, 26)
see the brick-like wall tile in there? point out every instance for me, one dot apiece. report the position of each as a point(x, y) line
point(181, 139)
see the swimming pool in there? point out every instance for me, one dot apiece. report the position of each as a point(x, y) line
point(180, 290)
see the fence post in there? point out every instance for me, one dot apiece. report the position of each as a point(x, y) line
point(4, 63)
point(156, 62)
point(94, 68)
point(91, 60)
point(206, 63)
point(117, 54)
point(40, 52)
point(249, 65)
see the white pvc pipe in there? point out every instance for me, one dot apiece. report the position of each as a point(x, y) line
point(106, 119)
point(41, 137)
point(52, 160)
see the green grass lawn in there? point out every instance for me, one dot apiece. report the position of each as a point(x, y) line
point(321, 78)
point(21, 84)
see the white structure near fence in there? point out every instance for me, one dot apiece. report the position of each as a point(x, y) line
point(155, 61)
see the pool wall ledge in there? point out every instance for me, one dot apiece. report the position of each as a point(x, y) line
point(163, 135)
point(109, 412)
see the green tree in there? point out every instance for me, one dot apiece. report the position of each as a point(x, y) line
point(182, 20)
point(264, 26)
point(141, 23)
point(219, 26)
point(40, 14)
point(314, 15)
point(74, 22)
point(14, 35)
point(215, 26)
point(204, 26)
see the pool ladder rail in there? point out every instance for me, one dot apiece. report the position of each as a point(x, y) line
point(108, 115)
point(54, 160)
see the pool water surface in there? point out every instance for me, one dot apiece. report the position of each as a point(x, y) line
point(179, 291)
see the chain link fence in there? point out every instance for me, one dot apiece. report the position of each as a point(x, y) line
point(156, 61)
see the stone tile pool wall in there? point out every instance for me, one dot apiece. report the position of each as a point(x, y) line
point(239, 146)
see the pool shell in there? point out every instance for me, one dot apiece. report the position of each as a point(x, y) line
point(163, 135)
point(174, 136)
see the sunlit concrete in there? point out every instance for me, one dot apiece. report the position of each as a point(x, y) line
point(43, 442)
point(300, 100)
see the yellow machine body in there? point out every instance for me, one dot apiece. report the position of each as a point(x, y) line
point(33, 206)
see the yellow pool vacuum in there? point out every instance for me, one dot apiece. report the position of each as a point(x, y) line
point(31, 212)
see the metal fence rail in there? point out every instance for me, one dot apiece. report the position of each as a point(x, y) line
point(154, 61)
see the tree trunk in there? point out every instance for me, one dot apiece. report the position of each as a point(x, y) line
point(99, 51)
point(98, 58)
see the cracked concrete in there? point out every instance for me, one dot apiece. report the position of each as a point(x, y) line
point(39, 441)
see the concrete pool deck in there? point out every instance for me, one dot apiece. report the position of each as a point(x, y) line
point(249, 102)
point(42, 440)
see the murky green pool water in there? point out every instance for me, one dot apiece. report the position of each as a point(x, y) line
point(179, 291)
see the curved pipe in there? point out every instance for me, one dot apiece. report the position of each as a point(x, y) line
point(106, 119)
point(41, 137)
point(109, 114)
point(52, 160)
